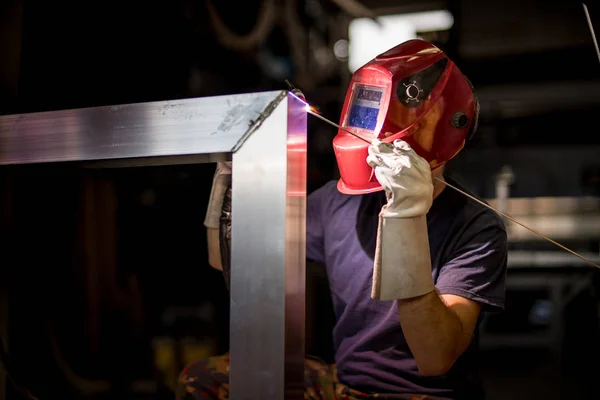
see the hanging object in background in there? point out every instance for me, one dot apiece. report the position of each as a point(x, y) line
point(259, 33)
point(9, 370)
point(355, 9)
point(311, 65)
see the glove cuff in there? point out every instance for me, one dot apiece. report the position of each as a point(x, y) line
point(402, 265)
point(406, 209)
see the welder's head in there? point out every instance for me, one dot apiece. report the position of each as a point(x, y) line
point(412, 92)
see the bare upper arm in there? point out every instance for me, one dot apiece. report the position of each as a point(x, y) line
point(214, 251)
point(467, 312)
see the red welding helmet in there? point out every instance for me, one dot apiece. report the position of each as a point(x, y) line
point(412, 92)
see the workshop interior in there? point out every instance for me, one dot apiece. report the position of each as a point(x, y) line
point(106, 291)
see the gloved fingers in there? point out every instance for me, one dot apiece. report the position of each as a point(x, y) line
point(393, 165)
point(392, 161)
point(379, 147)
point(383, 154)
point(375, 160)
point(385, 178)
point(397, 148)
point(392, 158)
point(402, 147)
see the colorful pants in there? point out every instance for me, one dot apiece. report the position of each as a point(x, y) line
point(209, 379)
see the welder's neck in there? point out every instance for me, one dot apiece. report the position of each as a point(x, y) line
point(438, 186)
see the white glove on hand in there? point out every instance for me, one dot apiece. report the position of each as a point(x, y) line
point(405, 177)
point(402, 265)
point(217, 193)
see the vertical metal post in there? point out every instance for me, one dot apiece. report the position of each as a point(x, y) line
point(268, 258)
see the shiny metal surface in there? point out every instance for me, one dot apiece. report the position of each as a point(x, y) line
point(268, 258)
point(185, 127)
point(266, 134)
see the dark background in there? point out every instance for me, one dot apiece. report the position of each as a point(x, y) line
point(103, 307)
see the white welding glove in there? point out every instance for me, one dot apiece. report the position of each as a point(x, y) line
point(402, 265)
point(217, 194)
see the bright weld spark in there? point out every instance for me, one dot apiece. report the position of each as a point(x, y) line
point(312, 110)
point(309, 109)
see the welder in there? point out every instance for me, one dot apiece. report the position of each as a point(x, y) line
point(412, 266)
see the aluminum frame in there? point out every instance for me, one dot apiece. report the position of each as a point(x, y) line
point(265, 135)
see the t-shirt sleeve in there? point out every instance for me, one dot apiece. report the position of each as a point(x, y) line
point(315, 248)
point(476, 268)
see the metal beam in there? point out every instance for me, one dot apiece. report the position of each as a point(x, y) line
point(197, 126)
point(266, 135)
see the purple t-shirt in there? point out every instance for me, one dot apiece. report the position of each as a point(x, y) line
point(468, 256)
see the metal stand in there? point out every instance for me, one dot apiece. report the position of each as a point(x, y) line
point(265, 133)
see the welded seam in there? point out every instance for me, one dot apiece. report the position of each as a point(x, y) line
point(255, 124)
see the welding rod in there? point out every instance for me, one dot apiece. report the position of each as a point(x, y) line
point(589, 21)
point(518, 223)
point(468, 196)
point(336, 125)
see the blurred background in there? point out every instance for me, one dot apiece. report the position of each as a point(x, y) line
point(106, 290)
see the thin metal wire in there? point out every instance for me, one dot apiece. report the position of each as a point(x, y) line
point(517, 222)
point(336, 125)
point(300, 96)
point(589, 21)
point(471, 197)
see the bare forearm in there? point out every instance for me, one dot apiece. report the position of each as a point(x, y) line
point(434, 333)
point(214, 251)
point(214, 212)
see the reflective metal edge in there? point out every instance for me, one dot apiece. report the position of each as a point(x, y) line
point(268, 258)
point(142, 132)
